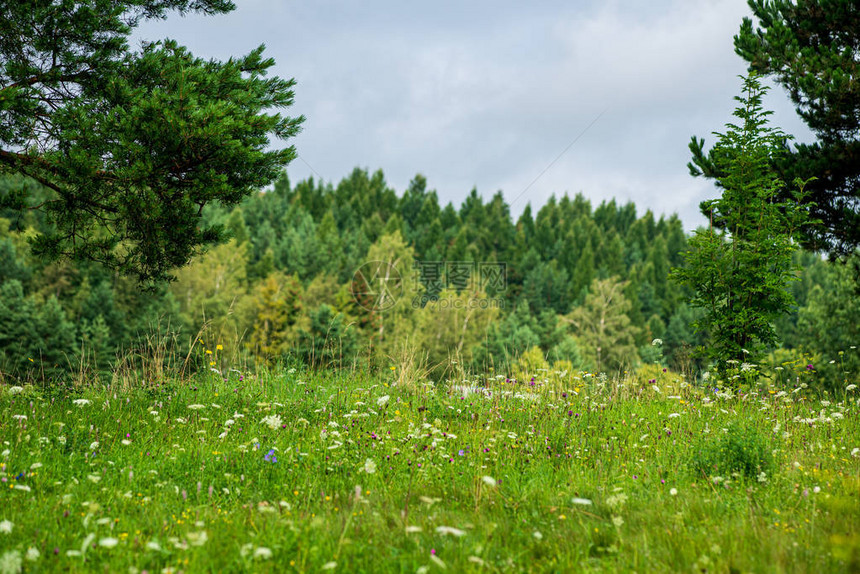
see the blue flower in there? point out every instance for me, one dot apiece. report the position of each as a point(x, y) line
point(270, 456)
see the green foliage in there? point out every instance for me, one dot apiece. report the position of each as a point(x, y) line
point(602, 327)
point(810, 48)
point(741, 448)
point(829, 325)
point(315, 468)
point(740, 274)
point(132, 145)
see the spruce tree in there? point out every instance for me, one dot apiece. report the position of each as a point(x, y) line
point(739, 274)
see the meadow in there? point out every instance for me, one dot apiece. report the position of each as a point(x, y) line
point(342, 471)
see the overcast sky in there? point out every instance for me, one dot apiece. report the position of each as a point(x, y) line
point(489, 94)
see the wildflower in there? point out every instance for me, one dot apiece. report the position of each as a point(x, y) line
point(6, 527)
point(32, 554)
point(450, 530)
point(81, 402)
point(10, 562)
point(850, 387)
point(197, 538)
point(674, 415)
point(272, 421)
point(369, 466)
point(108, 542)
point(263, 553)
point(617, 521)
point(489, 480)
point(537, 535)
point(411, 529)
point(15, 390)
point(656, 342)
point(382, 400)
point(673, 491)
point(582, 501)
point(270, 457)
point(329, 565)
point(153, 545)
point(196, 407)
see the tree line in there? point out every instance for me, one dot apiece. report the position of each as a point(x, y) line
point(581, 287)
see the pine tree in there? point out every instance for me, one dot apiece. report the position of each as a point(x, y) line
point(810, 47)
point(131, 144)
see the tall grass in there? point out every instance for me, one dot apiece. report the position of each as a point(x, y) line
point(289, 470)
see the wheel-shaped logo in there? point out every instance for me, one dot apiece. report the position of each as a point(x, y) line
point(377, 285)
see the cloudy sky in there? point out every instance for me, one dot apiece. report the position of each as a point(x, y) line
point(534, 99)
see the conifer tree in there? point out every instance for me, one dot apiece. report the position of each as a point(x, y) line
point(739, 274)
point(132, 145)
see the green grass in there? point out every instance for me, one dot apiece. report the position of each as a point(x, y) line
point(572, 474)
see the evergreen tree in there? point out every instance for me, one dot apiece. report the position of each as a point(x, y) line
point(131, 144)
point(740, 275)
point(810, 47)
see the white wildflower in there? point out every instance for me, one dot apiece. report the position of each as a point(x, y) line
point(32, 554)
point(108, 542)
point(262, 553)
point(329, 565)
point(153, 545)
point(537, 535)
point(94, 445)
point(196, 407)
point(382, 400)
point(81, 402)
point(369, 466)
point(10, 562)
point(489, 480)
point(582, 501)
point(197, 538)
point(412, 529)
point(15, 390)
point(6, 527)
point(450, 530)
point(673, 491)
point(272, 421)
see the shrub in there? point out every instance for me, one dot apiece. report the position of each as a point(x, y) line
point(740, 449)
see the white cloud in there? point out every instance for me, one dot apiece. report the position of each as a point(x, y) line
point(487, 94)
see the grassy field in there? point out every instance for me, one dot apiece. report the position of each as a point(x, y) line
point(343, 472)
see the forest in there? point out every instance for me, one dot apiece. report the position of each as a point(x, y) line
point(573, 286)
